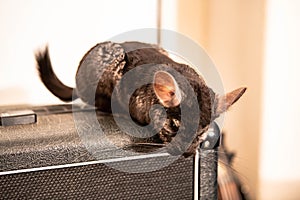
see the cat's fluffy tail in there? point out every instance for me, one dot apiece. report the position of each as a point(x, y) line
point(49, 78)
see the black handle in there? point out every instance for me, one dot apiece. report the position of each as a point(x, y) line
point(208, 164)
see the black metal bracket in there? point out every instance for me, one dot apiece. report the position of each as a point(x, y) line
point(213, 138)
point(207, 164)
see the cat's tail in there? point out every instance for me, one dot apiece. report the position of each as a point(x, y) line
point(49, 78)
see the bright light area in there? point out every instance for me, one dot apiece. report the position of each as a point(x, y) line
point(70, 28)
point(281, 131)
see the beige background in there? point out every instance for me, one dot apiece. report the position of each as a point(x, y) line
point(256, 43)
point(232, 33)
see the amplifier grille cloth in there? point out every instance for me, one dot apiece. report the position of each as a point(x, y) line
point(98, 181)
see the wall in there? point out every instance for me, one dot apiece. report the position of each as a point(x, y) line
point(280, 161)
point(70, 28)
point(232, 32)
point(256, 43)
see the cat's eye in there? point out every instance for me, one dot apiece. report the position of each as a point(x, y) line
point(171, 93)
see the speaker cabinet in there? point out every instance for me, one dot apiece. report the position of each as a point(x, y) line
point(49, 160)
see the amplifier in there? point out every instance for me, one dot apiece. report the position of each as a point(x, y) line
point(45, 155)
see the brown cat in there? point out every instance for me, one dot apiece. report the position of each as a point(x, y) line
point(105, 66)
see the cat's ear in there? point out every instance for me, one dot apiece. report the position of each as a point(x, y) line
point(227, 100)
point(166, 89)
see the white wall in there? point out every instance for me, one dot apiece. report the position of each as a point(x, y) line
point(70, 28)
point(280, 149)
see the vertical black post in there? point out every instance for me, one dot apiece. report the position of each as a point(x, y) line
point(208, 164)
point(158, 22)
